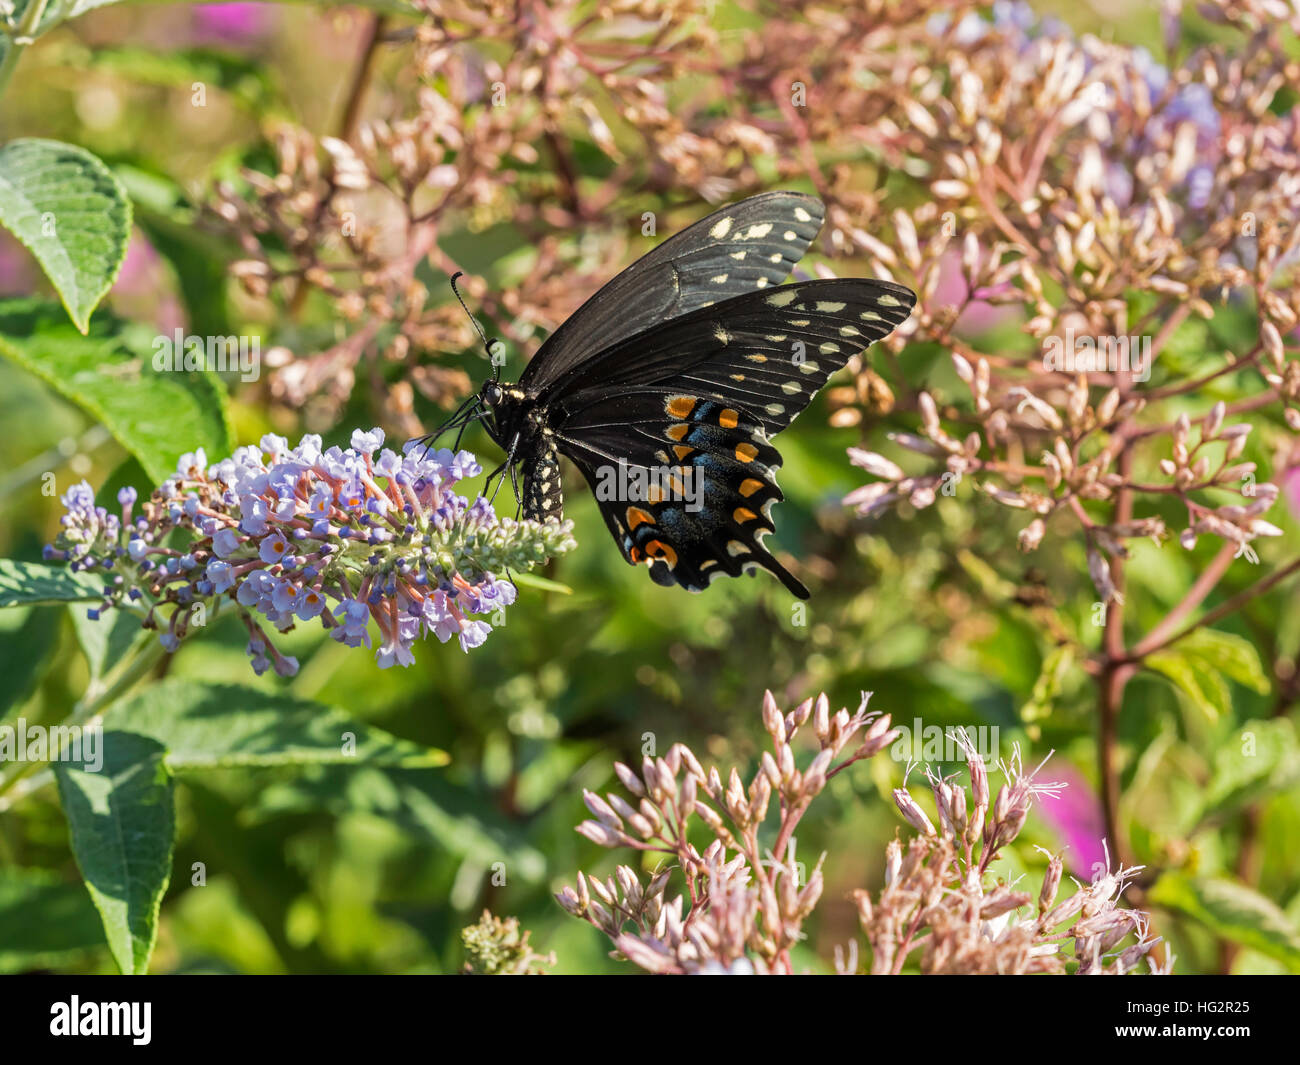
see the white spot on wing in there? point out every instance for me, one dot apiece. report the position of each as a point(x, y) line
point(782, 299)
point(722, 228)
point(802, 215)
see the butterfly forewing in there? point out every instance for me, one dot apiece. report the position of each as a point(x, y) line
point(769, 352)
point(741, 248)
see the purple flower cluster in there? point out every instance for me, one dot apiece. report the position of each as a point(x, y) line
point(346, 536)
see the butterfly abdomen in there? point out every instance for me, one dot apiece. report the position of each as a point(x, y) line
point(543, 496)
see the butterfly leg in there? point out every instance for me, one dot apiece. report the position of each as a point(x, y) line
point(508, 464)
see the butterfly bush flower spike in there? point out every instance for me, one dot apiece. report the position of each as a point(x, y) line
point(347, 537)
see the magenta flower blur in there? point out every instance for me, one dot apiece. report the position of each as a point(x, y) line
point(231, 23)
point(1075, 813)
point(299, 534)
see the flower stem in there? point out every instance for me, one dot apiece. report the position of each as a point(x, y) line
point(23, 35)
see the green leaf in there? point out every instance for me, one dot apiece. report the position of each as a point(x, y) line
point(208, 726)
point(122, 821)
point(458, 820)
point(1261, 758)
point(24, 646)
point(157, 415)
point(1203, 685)
point(1234, 912)
point(33, 582)
point(1234, 656)
point(107, 640)
point(1198, 664)
point(43, 920)
point(71, 213)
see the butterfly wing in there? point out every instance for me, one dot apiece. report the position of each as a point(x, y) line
point(769, 352)
point(685, 484)
point(743, 247)
point(672, 428)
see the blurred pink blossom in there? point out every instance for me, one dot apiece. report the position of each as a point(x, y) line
point(143, 288)
point(1075, 814)
point(230, 23)
point(1289, 482)
point(979, 316)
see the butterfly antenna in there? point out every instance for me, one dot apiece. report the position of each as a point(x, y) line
point(487, 344)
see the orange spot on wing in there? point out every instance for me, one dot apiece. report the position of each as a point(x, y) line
point(746, 452)
point(676, 432)
point(742, 515)
point(635, 554)
point(749, 486)
point(682, 450)
point(636, 516)
point(659, 550)
point(728, 418)
point(654, 494)
point(681, 406)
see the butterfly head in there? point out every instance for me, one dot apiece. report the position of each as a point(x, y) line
point(492, 394)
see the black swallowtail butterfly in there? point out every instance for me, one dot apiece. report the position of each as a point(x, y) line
point(666, 387)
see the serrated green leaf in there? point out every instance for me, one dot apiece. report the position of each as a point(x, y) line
point(122, 822)
point(210, 726)
point(34, 582)
point(1234, 912)
point(70, 212)
point(43, 920)
point(156, 415)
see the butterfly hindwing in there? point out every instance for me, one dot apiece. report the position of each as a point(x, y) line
point(741, 248)
point(686, 484)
